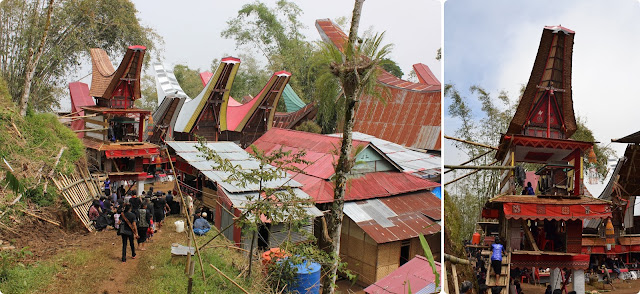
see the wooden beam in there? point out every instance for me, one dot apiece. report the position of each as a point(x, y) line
point(226, 277)
point(529, 236)
point(42, 218)
point(91, 130)
point(470, 142)
point(471, 173)
point(501, 167)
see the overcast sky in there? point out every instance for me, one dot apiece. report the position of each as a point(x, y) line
point(493, 43)
point(191, 29)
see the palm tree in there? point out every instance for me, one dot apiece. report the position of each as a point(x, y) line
point(356, 71)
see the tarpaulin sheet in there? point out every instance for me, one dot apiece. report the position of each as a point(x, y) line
point(557, 211)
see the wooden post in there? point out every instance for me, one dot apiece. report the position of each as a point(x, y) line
point(190, 232)
point(454, 273)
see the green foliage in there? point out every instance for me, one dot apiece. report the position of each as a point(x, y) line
point(310, 127)
point(250, 79)
point(429, 256)
point(149, 99)
point(392, 67)
point(603, 152)
point(189, 79)
point(76, 26)
point(276, 33)
point(40, 139)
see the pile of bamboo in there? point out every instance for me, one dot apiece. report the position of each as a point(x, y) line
point(79, 189)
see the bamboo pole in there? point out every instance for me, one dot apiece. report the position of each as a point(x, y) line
point(232, 281)
point(480, 167)
point(39, 217)
point(90, 130)
point(472, 159)
point(456, 260)
point(470, 142)
point(192, 235)
point(471, 173)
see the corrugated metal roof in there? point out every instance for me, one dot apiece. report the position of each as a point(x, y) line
point(321, 152)
point(228, 150)
point(166, 83)
point(409, 160)
point(542, 200)
point(396, 218)
point(409, 116)
point(417, 272)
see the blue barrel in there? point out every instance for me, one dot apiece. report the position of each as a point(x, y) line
point(307, 279)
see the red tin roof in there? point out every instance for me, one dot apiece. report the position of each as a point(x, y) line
point(410, 116)
point(321, 152)
point(417, 272)
point(406, 221)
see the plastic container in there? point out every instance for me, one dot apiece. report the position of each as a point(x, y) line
point(307, 278)
point(179, 226)
point(475, 240)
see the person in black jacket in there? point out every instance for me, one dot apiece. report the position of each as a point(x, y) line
point(128, 232)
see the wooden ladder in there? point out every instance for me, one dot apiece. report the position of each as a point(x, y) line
point(504, 274)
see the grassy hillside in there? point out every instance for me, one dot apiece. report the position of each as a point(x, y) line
point(30, 145)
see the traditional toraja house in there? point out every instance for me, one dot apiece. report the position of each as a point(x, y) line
point(216, 116)
point(621, 189)
point(113, 127)
point(550, 221)
point(385, 209)
point(228, 200)
point(409, 116)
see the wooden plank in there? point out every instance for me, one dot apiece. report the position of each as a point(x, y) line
point(96, 122)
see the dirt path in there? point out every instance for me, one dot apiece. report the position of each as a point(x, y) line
point(100, 269)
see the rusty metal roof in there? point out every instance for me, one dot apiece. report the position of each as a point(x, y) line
point(321, 152)
point(409, 116)
point(396, 218)
point(417, 272)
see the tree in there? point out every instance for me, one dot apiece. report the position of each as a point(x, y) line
point(276, 33)
point(392, 67)
point(356, 72)
point(189, 79)
point(75, 27)
point(250, 79)
point(276, 204)
point(149, 99)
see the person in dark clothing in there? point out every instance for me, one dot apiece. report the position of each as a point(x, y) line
point(143, 225)
point(528, 190)
point(159, 207)
point(136, 203)
point(548, 290)
point(484, 289)
point(128, 232)
point(496, 290)
point(557, 291)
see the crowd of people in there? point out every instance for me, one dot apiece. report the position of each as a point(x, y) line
point(134, 217)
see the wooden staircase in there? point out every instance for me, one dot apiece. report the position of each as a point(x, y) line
point(504, 274)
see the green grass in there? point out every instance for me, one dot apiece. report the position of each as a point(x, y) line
point(167, 275)
point(29, 278)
